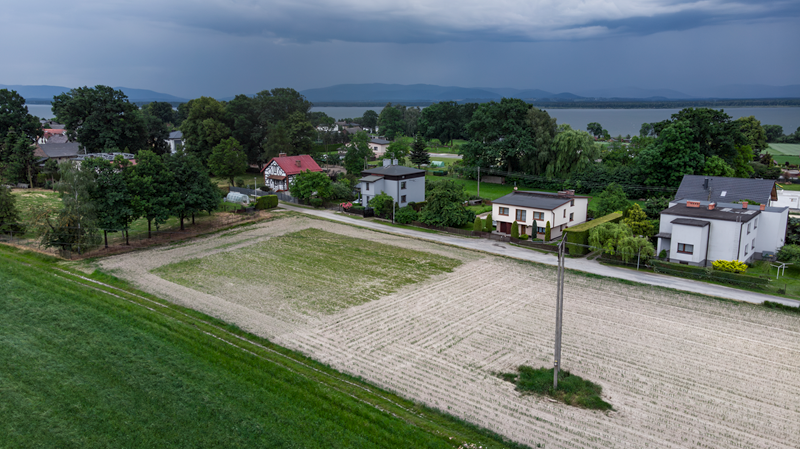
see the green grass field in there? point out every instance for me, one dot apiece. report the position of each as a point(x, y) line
point(347, 271)
point(794, 187)
point(102, 365)
point(788, 149)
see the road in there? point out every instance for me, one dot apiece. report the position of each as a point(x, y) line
point(582, 264)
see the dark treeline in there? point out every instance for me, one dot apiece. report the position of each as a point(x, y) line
point(586, 103)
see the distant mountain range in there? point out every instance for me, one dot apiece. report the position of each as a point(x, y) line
point(45, 94)
point(376, 92)
point(428, 92)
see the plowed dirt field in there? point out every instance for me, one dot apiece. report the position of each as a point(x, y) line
point(680, 370)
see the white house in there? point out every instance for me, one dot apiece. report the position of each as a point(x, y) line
point(379, 146)
point(787, 198)
point(279, 173)
point(404, 184)
point(562, 210)
point(700, 232)
point(175, 139)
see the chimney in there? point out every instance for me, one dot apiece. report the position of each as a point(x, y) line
point(387, 162)
point(281, 154)
point(744, 204)
point(298, 162)
point(394, 161)
point(693, 204)
point(711, 206)
point(763, 206)
point(570, 192)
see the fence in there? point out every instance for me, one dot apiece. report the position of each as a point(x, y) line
point(444, 229)
point(285, 197)
point(256, 192)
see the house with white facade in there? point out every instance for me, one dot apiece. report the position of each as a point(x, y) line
point(562, 210)
point(175, 139)
point(404, 184)
point(279, 173)
point(378, 146)
point(700, 232)
point(787, 198)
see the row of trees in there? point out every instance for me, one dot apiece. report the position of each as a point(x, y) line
point(102, 195)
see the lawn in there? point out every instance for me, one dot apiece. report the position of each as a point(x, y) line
point(27, 199)
point(788, 186)
point(347, 271)
point(790, 279)
point(788, 149)
point(90, 365)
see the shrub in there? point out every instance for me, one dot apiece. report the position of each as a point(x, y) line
point(488, 223)
point(514, 230)
point(729, 266)
point(267, 202)
point(316, 202)
point(382, 204)
point(478, 225)
point(240, 183)
point(547, 232)
point(418, 206)
point(523, 236)
point(663, 254)
point(580, 234)
point(789, 253)
point(406, 215)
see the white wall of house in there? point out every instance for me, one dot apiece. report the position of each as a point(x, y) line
point(771, 230)
point(689, 235)
point(278, 185)
point(173, 145)
point(787, 198)
point(403, 191)
point(727, 240)
point(560, 218)
point(378, 148)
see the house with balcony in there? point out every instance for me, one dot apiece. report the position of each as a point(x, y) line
point(404, 184)
point(562, 210)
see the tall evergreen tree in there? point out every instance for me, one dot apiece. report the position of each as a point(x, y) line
point(419, 152)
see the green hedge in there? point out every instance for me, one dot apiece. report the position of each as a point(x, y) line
point(267, 202)
point(708, 274)
point(580, 234)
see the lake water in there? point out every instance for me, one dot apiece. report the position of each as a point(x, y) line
point(616, 121)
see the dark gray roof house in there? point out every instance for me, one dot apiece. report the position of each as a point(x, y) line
point(394, 170)
point(726, 190)
point(66, 150)
point(536, 200)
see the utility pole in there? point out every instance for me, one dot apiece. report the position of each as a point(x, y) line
point(559, 312)
point(479, 181)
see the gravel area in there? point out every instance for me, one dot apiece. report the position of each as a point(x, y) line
point(680, 370)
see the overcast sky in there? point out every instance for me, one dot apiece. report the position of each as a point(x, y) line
point(226, 47)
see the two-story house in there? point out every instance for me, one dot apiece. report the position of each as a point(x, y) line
point(404, 184)
point(279, 173)
point(562, 209)
point(700, 232)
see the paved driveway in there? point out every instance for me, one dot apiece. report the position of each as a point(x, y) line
point(505, 249)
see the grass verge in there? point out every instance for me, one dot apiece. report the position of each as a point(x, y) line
point(572, 390)
point(91, 362)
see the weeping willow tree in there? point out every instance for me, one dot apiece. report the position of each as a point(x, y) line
point(74, 228)
point(618, 239)
point(571, 150)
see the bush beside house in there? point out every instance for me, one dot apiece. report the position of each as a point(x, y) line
point(579, 235)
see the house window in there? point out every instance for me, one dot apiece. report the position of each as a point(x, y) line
point(540, 230)
point(753, 245)
point(756, 223)
point(521, 214)
point(571, 217)
point(571, 203)
point(745, 249)
point(402, 198)
point(503, 211)
point(565, 213)
point(538, 215)
point(402, 185)
point(366, 184)
point(749, 225)
point(685, 249)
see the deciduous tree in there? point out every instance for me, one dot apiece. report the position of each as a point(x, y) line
point(101, 119)
point(357, 153)
point(14, 115)
point(612, 199)
point(194, 191)
point(228, 160)
point(205, 126)
point(310, 184)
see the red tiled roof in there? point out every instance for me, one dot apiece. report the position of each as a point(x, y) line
point(289, 164)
